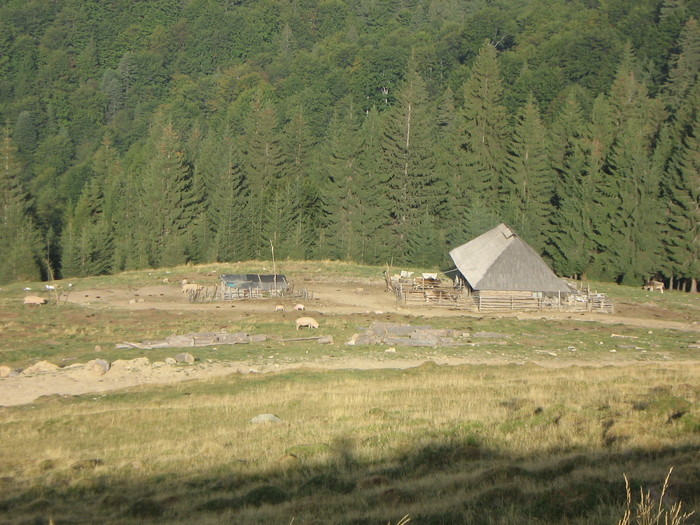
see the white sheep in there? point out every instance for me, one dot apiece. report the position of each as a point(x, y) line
point(34, 300)
point(192, 288)
point(309, 322)
point(299, 307)
point(279, 308)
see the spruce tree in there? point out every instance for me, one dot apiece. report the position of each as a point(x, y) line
point(373, 189)
point(409, 162)
point(165, 199)
point(342, 194)
point(299, 194)
point(570, 246)
point(528, 182)
point(631, 183)
point(485, 127)
point(87, 239)
point(682, 239)
point(262, 167)
point(18, 236)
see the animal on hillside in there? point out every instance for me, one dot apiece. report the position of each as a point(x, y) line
point(279, 308)
point(192, 288)
point(184, 282)
point(654, 285)
point(299, 307)
point(308, 322)
point(34, 300)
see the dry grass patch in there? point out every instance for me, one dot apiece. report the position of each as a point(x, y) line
point(500, 444)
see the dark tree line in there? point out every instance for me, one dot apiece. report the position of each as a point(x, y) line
point(156, 133)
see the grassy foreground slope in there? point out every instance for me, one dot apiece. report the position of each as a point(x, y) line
point(519, 436)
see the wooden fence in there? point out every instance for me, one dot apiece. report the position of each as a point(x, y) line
point(419, 292)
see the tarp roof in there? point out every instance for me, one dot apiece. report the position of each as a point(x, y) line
point(254, 280)
point(500, 260)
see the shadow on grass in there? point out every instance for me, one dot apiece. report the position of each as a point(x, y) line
point(438, 482)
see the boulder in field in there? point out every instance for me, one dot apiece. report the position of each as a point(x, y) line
point(97, 367)
point(184, 357)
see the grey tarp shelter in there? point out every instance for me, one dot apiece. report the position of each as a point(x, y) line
point(252, 285)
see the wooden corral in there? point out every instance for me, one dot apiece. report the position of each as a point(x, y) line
point(432, 292)
point(247, 286)
point(445, 293)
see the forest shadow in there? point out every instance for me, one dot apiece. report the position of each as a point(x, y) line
point(438, 482)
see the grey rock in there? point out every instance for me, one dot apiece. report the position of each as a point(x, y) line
point(184, 357)
point(266, 418)
point(98, 367)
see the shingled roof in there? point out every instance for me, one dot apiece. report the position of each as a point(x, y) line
point(500, 260)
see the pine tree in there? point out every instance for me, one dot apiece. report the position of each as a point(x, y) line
point(682, 239)
point(451, 219)
point(165, 199)
point(570, 245)
point(409, 162)
point(18, 236)
point(262, 168)
point(684, 66)
point(298, 192)
point(373, 191)
point(485, 132)
point(226, 190)
point(528, 182)
point(341, 197)
point(87, 239)
point(631, 184)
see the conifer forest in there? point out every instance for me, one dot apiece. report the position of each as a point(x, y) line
point(150, 133)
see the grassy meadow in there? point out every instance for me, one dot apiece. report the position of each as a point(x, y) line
point(542, 428)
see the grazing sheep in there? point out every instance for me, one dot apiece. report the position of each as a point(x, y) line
point(34, 300)
point(279, 308)
point(192, 288)
point(309, 322)
point(184, 282)
point(299, 307)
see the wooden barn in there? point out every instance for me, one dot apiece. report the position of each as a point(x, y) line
point(502, 272)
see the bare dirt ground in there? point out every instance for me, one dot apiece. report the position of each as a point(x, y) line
point(328, 297)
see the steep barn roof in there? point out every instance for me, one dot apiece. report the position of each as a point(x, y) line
point(500, 260)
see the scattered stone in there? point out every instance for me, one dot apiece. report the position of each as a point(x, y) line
point(41, 366)
point(98, 348)
point(257, 338)
point(691, 345)
point(184, 358)
point(266, 418)
point(5, 371)
point(131, 364)
point(170, 361)
point(404, 335)
point(489, 335)
point(325, 340)
point(98, 367)
point(391, 350)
